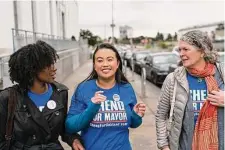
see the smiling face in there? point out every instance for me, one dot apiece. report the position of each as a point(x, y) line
point(106, 63)
point(190, 56)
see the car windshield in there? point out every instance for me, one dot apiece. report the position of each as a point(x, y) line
point(221, 58)
point(140, 56)
point(128, 53)
point(165, 59)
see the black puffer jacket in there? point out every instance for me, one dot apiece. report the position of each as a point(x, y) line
point(35, 130)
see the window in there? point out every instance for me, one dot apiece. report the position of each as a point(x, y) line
point(164, 59)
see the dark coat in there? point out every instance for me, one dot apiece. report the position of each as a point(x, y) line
point(35, 130)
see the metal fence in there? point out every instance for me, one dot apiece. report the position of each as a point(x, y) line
point(24, 37)
point(71, 55)
point(143, 76)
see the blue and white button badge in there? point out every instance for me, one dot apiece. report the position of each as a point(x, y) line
point(51, 104)
point(116, 97)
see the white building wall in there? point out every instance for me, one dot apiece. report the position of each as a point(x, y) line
point(72, 20)
point(7, 22)
point(54, 18)
point(62, 10)
point(24, 15)
point(126, 31)
point(204, 29)
point(41, 19)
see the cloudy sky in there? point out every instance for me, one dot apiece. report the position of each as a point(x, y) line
point(147, 17)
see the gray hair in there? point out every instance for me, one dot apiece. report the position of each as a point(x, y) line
point(201, 41)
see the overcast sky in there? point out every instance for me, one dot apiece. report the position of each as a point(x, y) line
point(149, 16)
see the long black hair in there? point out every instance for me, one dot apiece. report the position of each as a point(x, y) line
point(120, 77)
point(28, 61)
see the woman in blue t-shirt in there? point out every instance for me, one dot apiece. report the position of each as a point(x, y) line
point(104, 105)
point(190, 112)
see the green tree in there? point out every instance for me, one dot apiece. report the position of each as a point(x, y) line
point(115, 39)
point(157, 36)
point(161, 37)
point(163, 45)
point(92, 39)
point(175, 36)
point(169, 37)
point(85, 34)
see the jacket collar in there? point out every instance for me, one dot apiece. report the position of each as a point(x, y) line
point(180, 75)
point(59, 86)
point(41, 117)
point(38, 117)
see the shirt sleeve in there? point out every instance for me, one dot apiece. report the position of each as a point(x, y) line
point(80, 114)
point(3, 118)
point(68, 138)
point(136, 120)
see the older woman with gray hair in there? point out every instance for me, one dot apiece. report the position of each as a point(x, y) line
point(190, 112)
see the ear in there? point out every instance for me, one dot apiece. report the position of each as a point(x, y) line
point(202, 54)
point(94, 67)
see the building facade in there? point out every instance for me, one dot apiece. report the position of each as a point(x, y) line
point(125, 31)
point(53, 18)
point(214, 30)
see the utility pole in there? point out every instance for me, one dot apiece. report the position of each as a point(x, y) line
point(104, 32)
point(112, 25)
point(15, 11)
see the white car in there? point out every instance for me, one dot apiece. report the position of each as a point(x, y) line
point(176, 50)
point(221, 56)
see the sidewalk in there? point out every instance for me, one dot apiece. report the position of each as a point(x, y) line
point(142, 138)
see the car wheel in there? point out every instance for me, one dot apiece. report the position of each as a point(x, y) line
point(138, 70)
point(155, 79)
point(135, 69)
point(152, 77)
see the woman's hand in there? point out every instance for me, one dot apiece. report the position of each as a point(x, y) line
point(140, 109)
point(77, 145)
point(216, 98)
point(98, 97)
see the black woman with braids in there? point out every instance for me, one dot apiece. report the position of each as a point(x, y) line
point(41, 103)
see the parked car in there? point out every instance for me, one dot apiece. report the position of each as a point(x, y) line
point(172, 67)
point(127, 57)
point(121, 52)
point(157, 65)
point(176, 50)
point(138, 60)
point(221, 57)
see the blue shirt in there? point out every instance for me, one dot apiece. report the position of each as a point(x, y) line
point(198, 93)
point(40, 100)
point(103, 126)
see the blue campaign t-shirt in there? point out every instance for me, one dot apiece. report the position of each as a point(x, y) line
point(40, 100)
point(109, 128)
point(198, 93)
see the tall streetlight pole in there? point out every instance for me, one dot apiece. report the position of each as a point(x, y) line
point(104, 31)
point(112, 25)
